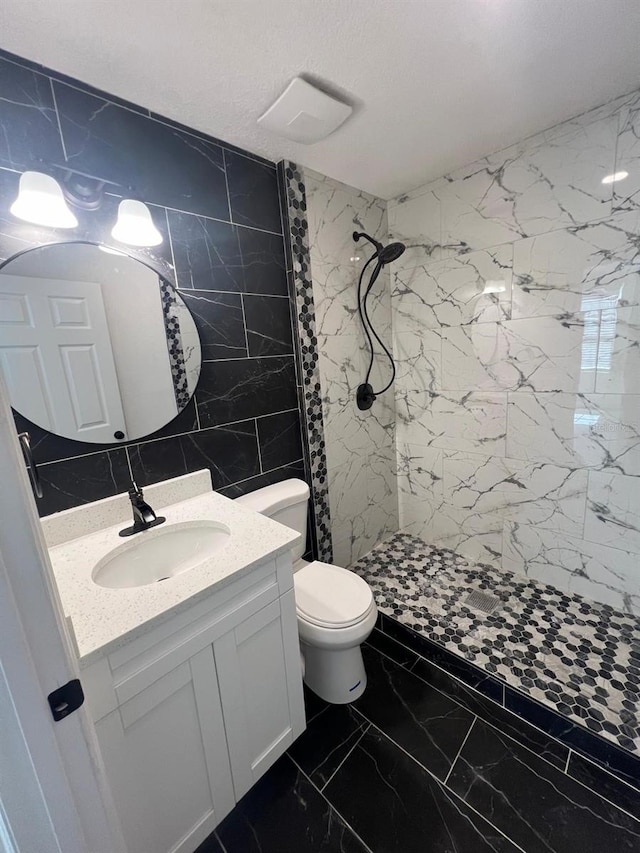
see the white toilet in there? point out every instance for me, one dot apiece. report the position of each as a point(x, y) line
point(336, 610)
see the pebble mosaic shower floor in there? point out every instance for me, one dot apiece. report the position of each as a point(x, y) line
point(580, 658)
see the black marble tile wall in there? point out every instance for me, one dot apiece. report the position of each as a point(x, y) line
point(218, 209)
point(157, 162)
point(28, 118)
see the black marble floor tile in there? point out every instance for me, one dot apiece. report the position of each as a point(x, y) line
point(454, 664)
point(327, 742)
point(78, 481)
point(230, 391)
point(543, 745)
point(537, 806)
point(284, 813)
point(229, 452)
point(206, 253)
point(253, 193)
point(605, 784)
point(389, 647)
point(220, 323)
point(619, 762)
point(313, 704)
point(158, 163)
point(210, 845)
point(296, 470)
point(263, 261)
point(429, 725)
point(28, 122)
point(459, 690)
point(280, 439)
point(397, 807)
point(268, 321)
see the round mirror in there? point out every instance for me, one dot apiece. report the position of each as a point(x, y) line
point(94, 345)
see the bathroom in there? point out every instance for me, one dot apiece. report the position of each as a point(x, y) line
point(319, 520)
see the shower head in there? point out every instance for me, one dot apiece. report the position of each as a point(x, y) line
point(386, 254)
point(390, 253)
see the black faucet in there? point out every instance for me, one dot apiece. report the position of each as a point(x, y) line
point(143, 516)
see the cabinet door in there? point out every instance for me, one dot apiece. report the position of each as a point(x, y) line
point(260, 680)
point(167, 761)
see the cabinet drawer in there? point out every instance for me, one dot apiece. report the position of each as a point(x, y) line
point(141, 671)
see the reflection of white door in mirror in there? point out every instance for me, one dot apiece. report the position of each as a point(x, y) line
point(56, 354)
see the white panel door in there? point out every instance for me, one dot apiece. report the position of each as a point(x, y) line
point(55, 352)
point(260, 680)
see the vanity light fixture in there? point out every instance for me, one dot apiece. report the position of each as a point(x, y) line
point(135, 226)
point(41, 201)
point(615, 177)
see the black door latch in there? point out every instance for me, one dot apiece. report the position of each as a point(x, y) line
point(65, 700)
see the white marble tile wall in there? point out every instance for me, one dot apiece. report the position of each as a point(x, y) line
point(360, 446)
point(516, 323)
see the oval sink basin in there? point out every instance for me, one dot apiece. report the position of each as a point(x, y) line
point(159, 554)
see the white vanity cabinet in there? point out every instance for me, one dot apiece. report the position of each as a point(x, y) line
point(190, 714)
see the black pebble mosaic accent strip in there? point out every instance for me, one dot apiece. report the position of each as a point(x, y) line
point(294, 205)
point(218, 209)
point(174, 343)
point(536, 646)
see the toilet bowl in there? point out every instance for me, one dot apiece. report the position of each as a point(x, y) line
point(335, 607)
point(336, 613)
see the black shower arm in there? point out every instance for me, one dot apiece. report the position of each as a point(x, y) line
point(358, 234)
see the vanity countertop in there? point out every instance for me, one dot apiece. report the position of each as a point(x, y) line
point(103, 618)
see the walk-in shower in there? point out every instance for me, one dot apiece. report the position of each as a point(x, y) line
point(365, 395)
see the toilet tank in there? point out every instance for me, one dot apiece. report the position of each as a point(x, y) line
point(286, 502)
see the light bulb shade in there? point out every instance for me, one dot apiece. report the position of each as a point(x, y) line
point(135, 226)
point(40, 200)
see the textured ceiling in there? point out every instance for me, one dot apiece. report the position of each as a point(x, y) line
point(436, 83)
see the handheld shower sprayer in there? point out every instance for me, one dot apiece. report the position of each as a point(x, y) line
point(365, 395)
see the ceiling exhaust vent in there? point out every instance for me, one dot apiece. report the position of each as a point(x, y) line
point(304, 113)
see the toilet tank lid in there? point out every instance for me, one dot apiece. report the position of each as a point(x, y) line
point(270, 499)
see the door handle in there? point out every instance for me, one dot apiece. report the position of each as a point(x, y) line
point(32, 468)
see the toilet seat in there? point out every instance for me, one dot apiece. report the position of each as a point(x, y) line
point(330, 596)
